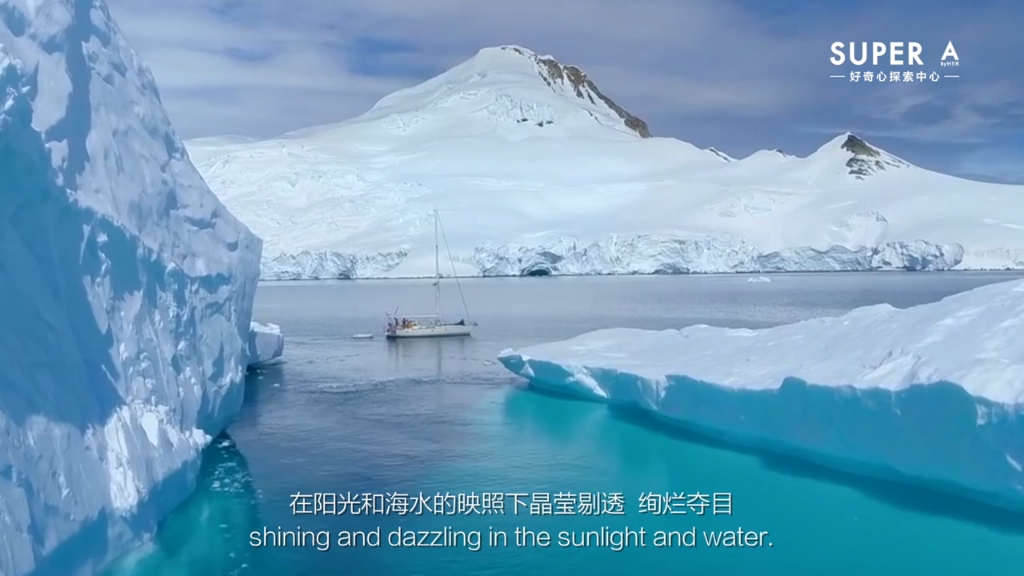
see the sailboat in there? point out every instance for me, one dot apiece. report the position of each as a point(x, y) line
point(431, 325)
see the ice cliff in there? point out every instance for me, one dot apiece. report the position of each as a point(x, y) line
point(126, 291)
point(934, 393)
point(643, 254)
point(627, 254)
point(266, 343)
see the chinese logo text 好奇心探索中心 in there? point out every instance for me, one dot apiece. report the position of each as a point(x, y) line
point(899, 54)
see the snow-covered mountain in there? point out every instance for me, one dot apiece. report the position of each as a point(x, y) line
point(536, 171)
point(126, 293)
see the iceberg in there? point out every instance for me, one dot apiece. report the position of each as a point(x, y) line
point(266, 343)
point(208, 534)
point(932, 394)
point(126, 291)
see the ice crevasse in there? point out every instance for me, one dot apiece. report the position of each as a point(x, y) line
point(932, 394)
point(126, 294)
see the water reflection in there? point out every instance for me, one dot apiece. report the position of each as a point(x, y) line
point(208, 534)
point(410, 356)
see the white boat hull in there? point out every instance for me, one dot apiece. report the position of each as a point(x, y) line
point(431, 331)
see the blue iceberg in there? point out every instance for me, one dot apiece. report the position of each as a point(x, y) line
point(932, 394)
point(126, 293)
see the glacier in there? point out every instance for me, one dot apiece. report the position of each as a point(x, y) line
point(932, 394)
point(266, 343)
point(637, 254)
point(126, 291)
point(535, 171)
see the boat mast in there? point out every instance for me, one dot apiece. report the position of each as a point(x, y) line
point(437, 269)
point(455, 273)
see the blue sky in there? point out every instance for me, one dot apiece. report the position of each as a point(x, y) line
point(740, 75)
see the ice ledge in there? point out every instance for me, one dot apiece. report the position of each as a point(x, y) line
point(932, 394)
point(266, 343)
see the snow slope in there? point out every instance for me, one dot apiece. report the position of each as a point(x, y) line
point(126, 291)
point(266, 343)
point(535, 171)
point(934, 393)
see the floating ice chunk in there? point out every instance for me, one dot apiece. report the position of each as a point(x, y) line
point(933, 393)
point(266, 343)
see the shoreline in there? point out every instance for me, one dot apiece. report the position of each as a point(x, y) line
point(1008, 271)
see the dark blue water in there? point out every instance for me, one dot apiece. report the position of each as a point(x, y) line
point(373, 417)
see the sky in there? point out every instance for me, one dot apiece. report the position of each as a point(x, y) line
point(739, 75)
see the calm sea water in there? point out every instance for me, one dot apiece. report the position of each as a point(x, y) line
point(370, 416)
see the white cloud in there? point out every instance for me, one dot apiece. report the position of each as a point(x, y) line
point(665, 60)
point(297, 80)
